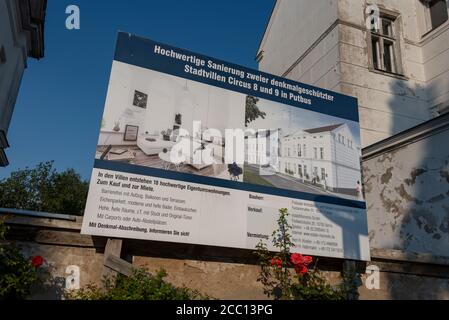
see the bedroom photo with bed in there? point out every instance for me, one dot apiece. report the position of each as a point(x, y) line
point(148, 115)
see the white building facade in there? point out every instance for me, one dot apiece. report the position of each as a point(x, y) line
point(21, 36)
point(326, 156)
point(264, 148)
point(399, 72)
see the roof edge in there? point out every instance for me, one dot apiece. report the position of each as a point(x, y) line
point(267, 27)
point(421, 131)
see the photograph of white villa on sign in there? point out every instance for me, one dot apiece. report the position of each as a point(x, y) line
point(148, 115)
point(307, 152)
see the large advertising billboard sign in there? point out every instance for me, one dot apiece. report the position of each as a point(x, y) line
point(196, 150)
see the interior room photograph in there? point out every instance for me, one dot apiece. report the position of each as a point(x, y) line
point(148, 113)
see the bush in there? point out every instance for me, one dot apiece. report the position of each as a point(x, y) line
point(17, 274)
point(287, 276)
point(141, 285)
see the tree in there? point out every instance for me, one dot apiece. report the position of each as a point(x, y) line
point(44, 189)
point(252, 111)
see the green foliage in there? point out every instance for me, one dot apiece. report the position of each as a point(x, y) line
point(141, 285)
point(17, 274)
point(284, 280)
point(3, 230)
point(277, 281)
point(313, 286)
point(44, 189)
point(252, 111)
point(254, 178)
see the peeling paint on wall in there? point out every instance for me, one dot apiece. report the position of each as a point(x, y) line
point(407, 197)
point(445, 175)
point(415, 174)
point(386, 177)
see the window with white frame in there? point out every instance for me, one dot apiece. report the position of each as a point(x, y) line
point(385, 46)
point(436, 13)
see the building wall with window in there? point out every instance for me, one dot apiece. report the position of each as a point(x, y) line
point(329, 157)
point(21, 36)
point(399, 73)
point(435, 55)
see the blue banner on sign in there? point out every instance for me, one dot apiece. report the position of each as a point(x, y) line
point(163, 58)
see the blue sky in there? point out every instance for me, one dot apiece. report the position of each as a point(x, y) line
point(61, 99)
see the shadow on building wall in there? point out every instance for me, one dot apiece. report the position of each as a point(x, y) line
point(407, 189)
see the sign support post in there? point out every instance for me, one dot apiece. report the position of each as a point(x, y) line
point(113, 248)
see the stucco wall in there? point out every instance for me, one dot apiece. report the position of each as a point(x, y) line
point(407, 281)
point(407, 191)
point(289, 33)
point(435, 53)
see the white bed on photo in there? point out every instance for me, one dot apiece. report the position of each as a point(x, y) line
point(153, 145)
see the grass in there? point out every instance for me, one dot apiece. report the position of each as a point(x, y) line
point(254, 178)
